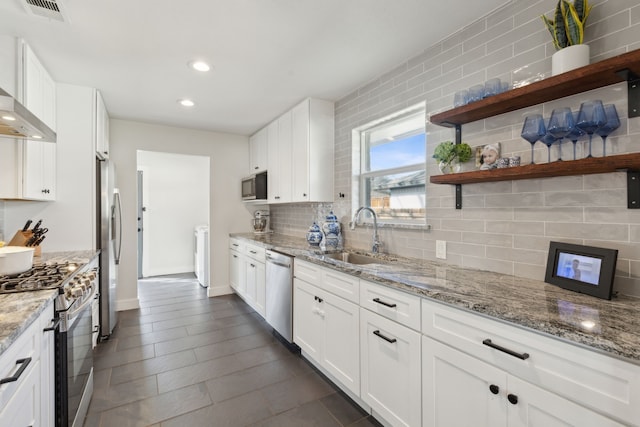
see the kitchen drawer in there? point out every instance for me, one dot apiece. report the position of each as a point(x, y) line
point(340, 284)
point(308, 272)
point(237, 245)
point(607, 385)
point(27, 345)
point(255, 252)
point(390, 303)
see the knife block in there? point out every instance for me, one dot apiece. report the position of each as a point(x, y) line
point(21, 238)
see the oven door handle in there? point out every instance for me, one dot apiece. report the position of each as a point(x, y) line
point(54, 326)
point(89, 300)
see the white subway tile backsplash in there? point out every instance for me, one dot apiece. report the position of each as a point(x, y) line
point(503, 226)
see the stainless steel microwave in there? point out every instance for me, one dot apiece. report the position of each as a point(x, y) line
point(254, 187)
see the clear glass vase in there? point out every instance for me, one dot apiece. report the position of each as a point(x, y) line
point(449, 167)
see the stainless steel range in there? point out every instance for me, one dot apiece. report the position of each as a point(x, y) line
point(77, 285)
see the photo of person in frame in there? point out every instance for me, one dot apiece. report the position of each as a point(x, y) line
point(487, 156)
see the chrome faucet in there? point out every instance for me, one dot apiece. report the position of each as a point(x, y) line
point(376, 241)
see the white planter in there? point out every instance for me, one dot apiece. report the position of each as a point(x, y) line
point(569, 58)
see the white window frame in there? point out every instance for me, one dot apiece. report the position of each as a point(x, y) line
point(359, 158)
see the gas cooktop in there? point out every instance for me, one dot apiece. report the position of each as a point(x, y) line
point(50, 275)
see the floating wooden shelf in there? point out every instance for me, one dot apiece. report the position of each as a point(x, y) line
point(604, 73)
point(545, 170)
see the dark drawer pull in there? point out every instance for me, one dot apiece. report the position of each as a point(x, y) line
point(384, 303)
point(513, 399)
point(522, 356)
point(494, 389)
point(253, 252)
point(391, 340)
point(25, 362)
point(56, 323)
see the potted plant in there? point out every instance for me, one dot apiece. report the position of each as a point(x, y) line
point(567, 32)
point(450, 156)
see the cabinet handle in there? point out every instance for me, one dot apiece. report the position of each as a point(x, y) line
point(388, 304)
point(304, 194)
point(252, 265)
point(391, 340)
point(318, 299)
point(513, 399)
point(235, 256)
point(56, 323)
point(494, 389)
point(277, 197)
point(256, 167)
point(24, 363)
point(235, 244)
point(253, 252)
point(522, 356)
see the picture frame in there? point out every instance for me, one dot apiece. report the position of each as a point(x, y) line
point(586, 269)
point(478, 155)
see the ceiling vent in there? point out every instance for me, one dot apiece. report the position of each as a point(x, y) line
point(52, 9)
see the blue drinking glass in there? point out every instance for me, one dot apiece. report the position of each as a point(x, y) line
point(590, 118)
point(532, 130)
point(560, 126)
point(613, 123)
point(575, 134)
point(548, 140)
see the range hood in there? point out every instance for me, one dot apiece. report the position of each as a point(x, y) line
point(18, 122)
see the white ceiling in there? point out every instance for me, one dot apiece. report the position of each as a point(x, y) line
point(266, 54)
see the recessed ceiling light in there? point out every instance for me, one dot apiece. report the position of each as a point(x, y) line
point(186, 102)
point(9, 118)
point(200, 66)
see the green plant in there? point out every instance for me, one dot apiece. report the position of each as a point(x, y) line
point(448, 151)
point(567, 27)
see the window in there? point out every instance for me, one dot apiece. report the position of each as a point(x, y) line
point(390, 167)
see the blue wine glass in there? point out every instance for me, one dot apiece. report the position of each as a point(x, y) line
point(532, 130)
point(575, 134)
point(613, 123)
point(560, 126)
point(548, 140)
point(590, 118)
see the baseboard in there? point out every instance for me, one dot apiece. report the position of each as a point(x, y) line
point(127, 304)
point(151, 272)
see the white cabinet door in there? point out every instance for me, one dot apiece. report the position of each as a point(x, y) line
point(273, 160)
point(102, 127)
point(236, 272)
point(10, 169)
point(460, 390)
point(313, 151)
point(258, 151)
point(307, 323)
point(39, 89)
point(24, 407)
point(532, 406)
point(300, 152)
point(261, 295)
point(341, 329)
point(390, 369)
point(251, 290)
point(284, 170)
point(39, 170)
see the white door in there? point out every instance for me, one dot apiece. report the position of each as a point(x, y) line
point(460, 390)
point(390, 369)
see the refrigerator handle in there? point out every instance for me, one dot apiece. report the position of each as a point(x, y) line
point(117, 204)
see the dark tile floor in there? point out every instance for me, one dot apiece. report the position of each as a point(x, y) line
point(187, 360)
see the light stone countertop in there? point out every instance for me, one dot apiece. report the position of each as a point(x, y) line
point(20, 309)
point(611, 327)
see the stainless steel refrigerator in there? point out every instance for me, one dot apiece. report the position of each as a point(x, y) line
point(109, 241)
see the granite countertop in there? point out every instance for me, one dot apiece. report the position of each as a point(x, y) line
point(611, 327)
point(20, 309)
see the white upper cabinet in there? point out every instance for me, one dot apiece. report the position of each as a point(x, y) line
point(300, 154)
point(102, 127)
point(8, 71)
point(38, 88)
point(258, 151)
point(313, 141)
point(39, 170)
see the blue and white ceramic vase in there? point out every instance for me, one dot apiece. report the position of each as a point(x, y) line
point(332, 231)
point(314, 235)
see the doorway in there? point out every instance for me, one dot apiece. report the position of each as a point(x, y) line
point(173, 199)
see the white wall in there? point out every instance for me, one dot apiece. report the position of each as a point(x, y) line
point(176, 199)
point(228, 156)
point(71, 218)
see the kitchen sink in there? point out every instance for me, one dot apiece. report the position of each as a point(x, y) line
point(353, 258)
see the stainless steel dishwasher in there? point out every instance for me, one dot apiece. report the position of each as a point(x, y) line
point(279, 290)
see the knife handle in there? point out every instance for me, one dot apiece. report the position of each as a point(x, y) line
point(26, 225)
point(35, 227)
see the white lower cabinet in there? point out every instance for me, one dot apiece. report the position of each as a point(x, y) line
point(29, 399)
point(390, 369)
point(326, 327)
point(461, 390)
point(237, 272)
point(255, 290)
